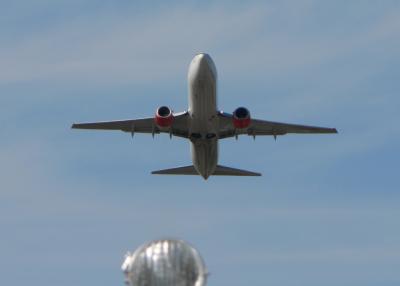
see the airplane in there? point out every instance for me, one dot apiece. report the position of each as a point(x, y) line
point(203, 124)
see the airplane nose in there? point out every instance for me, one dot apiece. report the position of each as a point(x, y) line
point(202, 56)
point(202, 66)
point(203, 60)
point(205, 64)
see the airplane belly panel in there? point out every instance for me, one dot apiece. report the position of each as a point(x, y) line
point(205, 156)
point(204, 106)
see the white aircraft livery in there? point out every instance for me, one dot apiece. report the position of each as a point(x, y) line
point(203, 124)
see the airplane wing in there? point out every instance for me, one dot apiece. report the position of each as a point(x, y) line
point(143, 125)
point(263, 127)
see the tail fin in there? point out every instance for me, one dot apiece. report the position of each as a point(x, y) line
point(186, 170)
point(228, 171)
point(219, 171)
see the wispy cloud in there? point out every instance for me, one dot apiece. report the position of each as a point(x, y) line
point(108, 47)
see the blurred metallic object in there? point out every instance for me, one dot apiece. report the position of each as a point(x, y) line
point(164, 262)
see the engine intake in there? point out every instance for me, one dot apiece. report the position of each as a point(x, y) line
point(164, 117)
point(241, 118)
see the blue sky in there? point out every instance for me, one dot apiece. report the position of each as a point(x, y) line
point(325, 212)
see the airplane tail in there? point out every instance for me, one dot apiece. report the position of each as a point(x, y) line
point(186, 170)
point(219, 171)
point(228, 171)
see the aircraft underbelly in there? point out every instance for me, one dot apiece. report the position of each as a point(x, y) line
point(203, 106)
point(205, 156)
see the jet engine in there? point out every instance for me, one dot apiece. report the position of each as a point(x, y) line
point(164, 117)
point(241, 118)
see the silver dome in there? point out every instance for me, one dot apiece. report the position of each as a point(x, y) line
point(164, 263)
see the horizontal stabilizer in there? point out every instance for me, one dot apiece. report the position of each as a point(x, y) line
point(219, 171)
point(228, 171)
point(186, 170)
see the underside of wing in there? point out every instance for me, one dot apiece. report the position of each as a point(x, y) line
point(144, 125)
point(263, 127)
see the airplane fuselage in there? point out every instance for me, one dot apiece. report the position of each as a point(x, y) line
point(203, 123)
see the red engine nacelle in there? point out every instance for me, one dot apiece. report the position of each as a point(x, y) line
point(163, 117)
point(241, 118)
